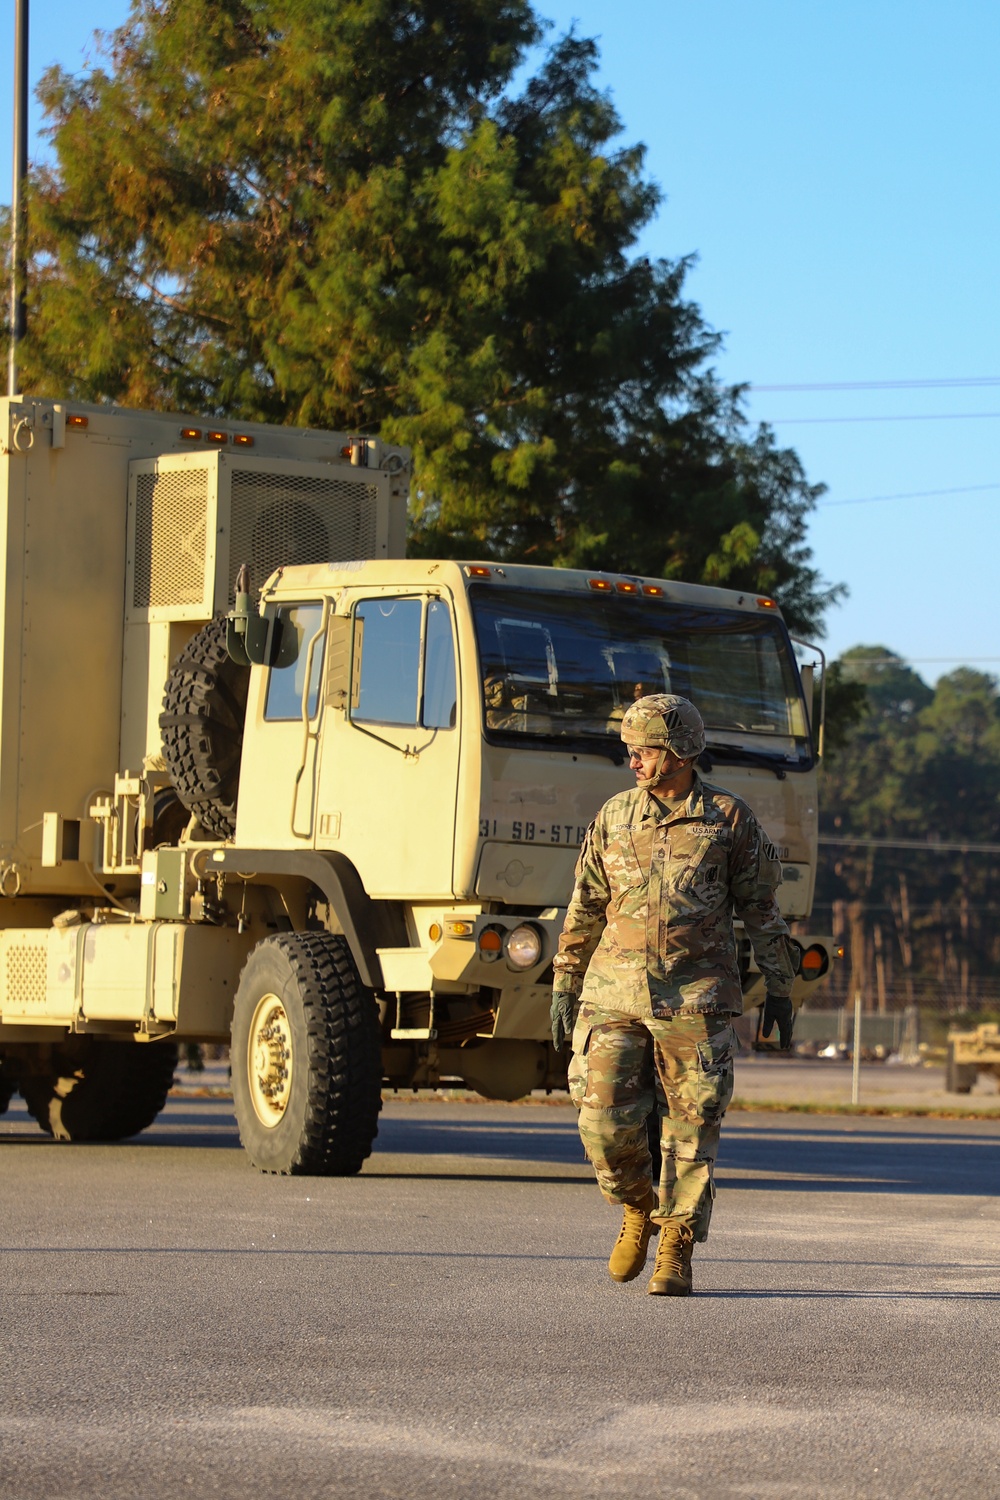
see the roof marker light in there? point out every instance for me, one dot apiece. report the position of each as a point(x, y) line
point(242, 440)
point(627, 588)
point(73, 420)
point(602, 585)
point(191, 433)
point(473, 570)
point(216, 437)
point(653, 590)
point(766, 604)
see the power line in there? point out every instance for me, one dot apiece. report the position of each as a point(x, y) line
point(962, 489)
point(898, 661)
point(931, 906)
point(930, 416)
point(883, 385)
point(923, 844)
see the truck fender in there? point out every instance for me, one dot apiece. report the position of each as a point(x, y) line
point(366, 924)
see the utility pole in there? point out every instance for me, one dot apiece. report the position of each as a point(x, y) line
point(18, 223)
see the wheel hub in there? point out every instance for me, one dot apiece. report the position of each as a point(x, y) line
point(270, 1060)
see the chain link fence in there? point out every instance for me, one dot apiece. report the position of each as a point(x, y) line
point(908, 1027)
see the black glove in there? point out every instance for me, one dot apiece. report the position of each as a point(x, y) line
point(778, 1011)
point(563, 1015)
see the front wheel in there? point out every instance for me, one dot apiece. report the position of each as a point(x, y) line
point(306, 1057)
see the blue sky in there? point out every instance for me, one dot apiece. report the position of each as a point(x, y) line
point(833, 166)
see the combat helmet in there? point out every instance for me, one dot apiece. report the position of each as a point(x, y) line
point(667, 720)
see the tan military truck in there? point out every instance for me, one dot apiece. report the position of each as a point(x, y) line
point(971, 1051)
point(338, 828)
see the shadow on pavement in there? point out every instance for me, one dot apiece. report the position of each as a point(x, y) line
point(910, 1163)
point(780, 1156)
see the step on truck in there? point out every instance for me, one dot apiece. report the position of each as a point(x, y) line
point(331, 821)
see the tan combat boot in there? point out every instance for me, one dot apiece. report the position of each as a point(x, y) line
point(629, 1255)
point(672, 1272)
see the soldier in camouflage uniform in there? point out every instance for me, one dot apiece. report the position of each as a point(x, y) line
point(646, 981)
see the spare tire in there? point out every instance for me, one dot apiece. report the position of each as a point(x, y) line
point(204, 706)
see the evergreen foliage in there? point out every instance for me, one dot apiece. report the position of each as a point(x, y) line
point(922, 764)
point(360, 215)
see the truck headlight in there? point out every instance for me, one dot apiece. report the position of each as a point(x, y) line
point(523, 946)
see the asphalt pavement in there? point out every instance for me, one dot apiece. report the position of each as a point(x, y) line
point(174, 1323)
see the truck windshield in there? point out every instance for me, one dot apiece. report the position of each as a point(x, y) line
point(566, 666)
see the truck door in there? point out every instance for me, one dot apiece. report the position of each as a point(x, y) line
point(388, 777)
point(279, 762)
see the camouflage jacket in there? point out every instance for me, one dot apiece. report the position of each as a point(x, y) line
point(649, 928)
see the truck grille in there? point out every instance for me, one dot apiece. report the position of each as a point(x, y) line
point(169, 561)
point(286, 519)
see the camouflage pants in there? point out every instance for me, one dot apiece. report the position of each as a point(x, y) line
point(622, 1067)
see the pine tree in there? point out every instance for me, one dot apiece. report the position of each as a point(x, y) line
point(345, 213)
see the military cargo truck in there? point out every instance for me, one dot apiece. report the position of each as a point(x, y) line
point(971, 1051)
point(336, 829)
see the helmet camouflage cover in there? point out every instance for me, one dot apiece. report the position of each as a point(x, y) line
point(667, 721)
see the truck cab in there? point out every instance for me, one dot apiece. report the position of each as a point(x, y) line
point(334, 823)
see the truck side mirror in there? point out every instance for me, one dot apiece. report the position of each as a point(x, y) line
point(807, 676)
point(251, 638)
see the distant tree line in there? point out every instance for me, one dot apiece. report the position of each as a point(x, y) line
point(912, 762)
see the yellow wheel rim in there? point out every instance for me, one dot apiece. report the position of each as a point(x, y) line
point(269, 1061)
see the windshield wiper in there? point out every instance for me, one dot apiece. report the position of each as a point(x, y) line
point(579, 744)
point(739, 755)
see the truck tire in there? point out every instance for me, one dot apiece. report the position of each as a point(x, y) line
point(8, 1086)
point(959, 1078)
point(204, 708)
point(97, 1090)
point(306, 1057)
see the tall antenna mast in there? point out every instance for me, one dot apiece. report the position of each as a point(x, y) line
point(18, 224)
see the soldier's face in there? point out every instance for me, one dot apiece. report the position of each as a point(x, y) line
point(645, 758)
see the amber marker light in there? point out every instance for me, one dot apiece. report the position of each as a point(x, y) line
point(73, 420)
point(766, 604)
point(473, 570)
point(490, 945)
point(192, 434)
point(653, 591)
point(602, 585)
point(216, 437)
point(242, 440)
point(627, 588)
point(815, 962)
